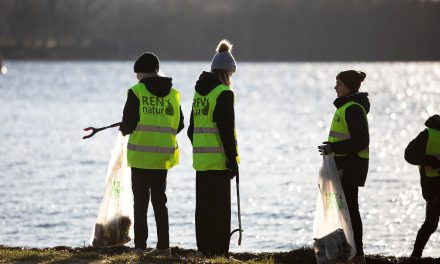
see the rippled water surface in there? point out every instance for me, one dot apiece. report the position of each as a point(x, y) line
point(52, 181)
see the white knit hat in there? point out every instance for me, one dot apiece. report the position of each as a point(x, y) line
point(223, 59)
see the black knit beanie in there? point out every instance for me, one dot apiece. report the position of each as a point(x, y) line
point(147, 63)
point(352, 79)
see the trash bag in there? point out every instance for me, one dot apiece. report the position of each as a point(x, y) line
point(115, 217)
point(332, 231)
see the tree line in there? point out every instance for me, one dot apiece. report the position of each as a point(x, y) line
point(262, 30)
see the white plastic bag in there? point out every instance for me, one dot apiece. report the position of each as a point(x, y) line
point(332, 231)
point(114, 224)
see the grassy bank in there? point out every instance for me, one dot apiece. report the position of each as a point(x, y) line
point(123, 255)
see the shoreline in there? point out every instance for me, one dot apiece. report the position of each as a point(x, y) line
point(64, 254)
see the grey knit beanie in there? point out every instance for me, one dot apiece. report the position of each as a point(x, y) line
point(223, 59)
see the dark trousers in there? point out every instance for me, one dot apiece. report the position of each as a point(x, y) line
point(428, 227)
point(351, 195)
point(143, 182)
point(213, 212)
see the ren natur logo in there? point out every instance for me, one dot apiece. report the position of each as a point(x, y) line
point(156, 106)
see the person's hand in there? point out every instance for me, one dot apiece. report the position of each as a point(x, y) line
point(232, 168)
point(325, 149)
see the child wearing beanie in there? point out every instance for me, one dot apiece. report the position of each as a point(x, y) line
point(348, 141)
point(149, 166)
point(223, 59)
point(223, 64)
point(215, 155)
point(352, 79)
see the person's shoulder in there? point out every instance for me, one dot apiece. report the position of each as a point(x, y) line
point(227, 92)
point(225, 89)
point(355, 108)
point(419, 141)
point(421, 138)
point(175, 90)
point(226, 95)
point(135, 87)
point(424, 134)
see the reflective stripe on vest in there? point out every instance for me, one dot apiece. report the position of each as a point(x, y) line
point(150, 149)
point(340, 135)
point(158, 129)
point(153, 144)
point(339, 128)
point(344, 136)
point(433, 149)
point(208, 152)
point(209, 130)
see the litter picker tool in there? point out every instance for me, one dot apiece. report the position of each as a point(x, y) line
point(95, 130)
point(239, 230)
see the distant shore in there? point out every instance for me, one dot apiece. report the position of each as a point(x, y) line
point(64, 254)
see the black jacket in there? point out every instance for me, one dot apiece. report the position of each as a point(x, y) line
point(415, 153)
point(354, 168)
point(223, 115)
point(159, 86)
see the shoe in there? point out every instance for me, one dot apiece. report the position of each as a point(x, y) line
point(358, 260)
point(160, 252)
point(137, 251)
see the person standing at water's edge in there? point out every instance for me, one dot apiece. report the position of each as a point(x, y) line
point(152, 116)
point(215, 155)
point(348, 141)
point(424, 151)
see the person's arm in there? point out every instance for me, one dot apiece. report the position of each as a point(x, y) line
point(224, 116)
point(190, 130)
point(181, 124)
point(358, 128)
point(415, 152)
point(130, 117)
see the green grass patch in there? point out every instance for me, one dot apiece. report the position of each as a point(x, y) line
point(179, 255)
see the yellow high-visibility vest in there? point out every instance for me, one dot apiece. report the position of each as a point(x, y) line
point(153, 144)
point(208, 152)
point(433, 149)
point(339, 128)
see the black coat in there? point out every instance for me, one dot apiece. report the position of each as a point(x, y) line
point(415, 153)
point(354, 169)
point(159, 86)
point(223, 116)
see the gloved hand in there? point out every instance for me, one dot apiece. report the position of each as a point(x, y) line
point(325, 149)
point(232, 168)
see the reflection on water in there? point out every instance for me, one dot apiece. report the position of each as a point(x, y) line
point(52, 181)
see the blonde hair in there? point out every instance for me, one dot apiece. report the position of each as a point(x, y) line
point(223, 76)
point(143, 75)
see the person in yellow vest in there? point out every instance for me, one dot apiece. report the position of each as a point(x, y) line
point(348, 141)
point(152, 116)
point(215, 155)
point(424, 151)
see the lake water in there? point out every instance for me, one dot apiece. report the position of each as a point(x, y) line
point(52, 181)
